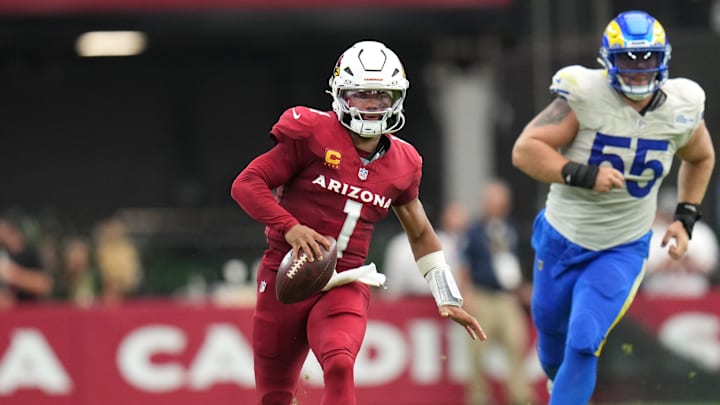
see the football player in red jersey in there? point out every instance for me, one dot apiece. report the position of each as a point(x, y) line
point(337, 173)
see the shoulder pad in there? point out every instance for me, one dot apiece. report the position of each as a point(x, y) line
point(689, 106)
point(297, 123)
point(687, 90)
point(575, 83)
point(407, 149)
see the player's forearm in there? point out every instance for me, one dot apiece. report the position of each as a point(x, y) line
point(255, 197)
point(427, 243)
point(419, 230)
point(693, 179)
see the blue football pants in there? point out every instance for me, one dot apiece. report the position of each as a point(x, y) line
point(578, 297)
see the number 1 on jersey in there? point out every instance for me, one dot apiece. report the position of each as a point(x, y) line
point(352, 209)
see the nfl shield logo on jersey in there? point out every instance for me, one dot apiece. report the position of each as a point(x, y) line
point(363, 173)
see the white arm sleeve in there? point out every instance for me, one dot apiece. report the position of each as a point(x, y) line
point(440, 279)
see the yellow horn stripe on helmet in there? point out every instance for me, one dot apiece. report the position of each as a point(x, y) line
point(658, 34)
point(614, 35)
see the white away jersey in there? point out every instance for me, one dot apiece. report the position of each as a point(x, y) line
point(611, 132)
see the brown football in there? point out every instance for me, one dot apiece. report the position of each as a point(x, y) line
point(301, 279)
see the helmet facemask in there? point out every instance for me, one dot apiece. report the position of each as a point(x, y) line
point(370, 112)
point(368, 88)
point(635, 54)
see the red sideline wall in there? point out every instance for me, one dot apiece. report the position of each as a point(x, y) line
point(162, 353)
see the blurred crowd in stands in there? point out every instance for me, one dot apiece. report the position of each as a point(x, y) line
point(40, 263)
point(482, 246)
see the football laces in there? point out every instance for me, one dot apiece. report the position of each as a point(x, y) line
point(297, 264)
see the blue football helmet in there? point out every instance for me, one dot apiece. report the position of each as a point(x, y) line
point(635, 53)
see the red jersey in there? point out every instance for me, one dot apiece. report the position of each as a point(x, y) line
point(322, 182)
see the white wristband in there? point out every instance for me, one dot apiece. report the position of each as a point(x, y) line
point(431, 261)
point(440, 279)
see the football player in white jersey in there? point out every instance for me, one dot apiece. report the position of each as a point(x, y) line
point(605, 143)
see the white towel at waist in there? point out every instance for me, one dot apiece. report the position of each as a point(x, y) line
point(366, 274)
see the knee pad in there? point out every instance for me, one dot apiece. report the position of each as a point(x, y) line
point(338, 362)
point(584, 334)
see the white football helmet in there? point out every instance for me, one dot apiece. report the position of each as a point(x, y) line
point(369, 66)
